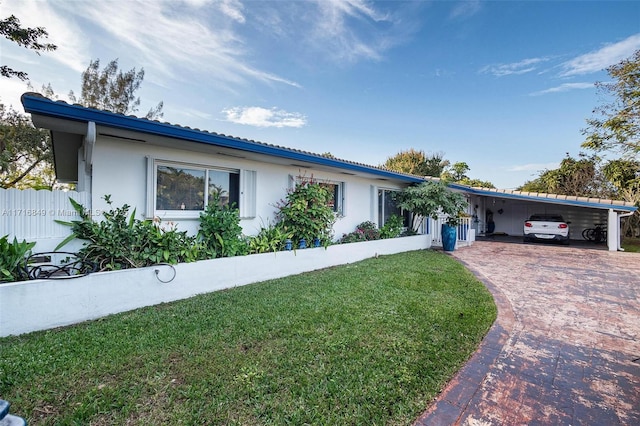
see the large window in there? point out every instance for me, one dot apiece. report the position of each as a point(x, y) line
point(186, 188)
point(388, 206)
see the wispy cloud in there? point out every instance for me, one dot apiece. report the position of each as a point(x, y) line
point(71, 50)
point(334, 29)
point(176, 38)
point(465, 9)
point(533, 167)
point(515, 68)
point(264, 117)
point(602, 58)
point(564, 88)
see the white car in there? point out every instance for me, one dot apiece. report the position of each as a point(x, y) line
point(546, 227)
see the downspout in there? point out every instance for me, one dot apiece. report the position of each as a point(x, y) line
point(620, 216)
point(89, 142)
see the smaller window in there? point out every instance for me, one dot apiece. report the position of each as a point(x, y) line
point(336, 196)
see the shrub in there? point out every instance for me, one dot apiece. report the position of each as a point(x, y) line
point(220, 230)
point(365, 231)
point(306, 213)
point(120, 241)
point(12, 258)
point(271, 238)
point(392, 227)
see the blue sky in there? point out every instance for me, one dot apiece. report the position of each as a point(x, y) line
point(505, 86)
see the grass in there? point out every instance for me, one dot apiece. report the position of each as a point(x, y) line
point(631, 245)
point(369, 343)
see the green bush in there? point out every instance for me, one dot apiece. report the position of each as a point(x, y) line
point(306, 213)
point(271, 238)
point(368, 231)
point(220, 230)
point(121, 241)
point(392, 227)
point(12, 258)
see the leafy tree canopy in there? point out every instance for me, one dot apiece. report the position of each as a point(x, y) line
point(430, 199)
point(112, 90)
point(26, 37)
point(25, 152)
point(616, 126)
point(458, 173)
point(417, 163)
point(585, 176)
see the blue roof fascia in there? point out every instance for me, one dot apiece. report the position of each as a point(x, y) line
point(36, 104)
point(477, 191)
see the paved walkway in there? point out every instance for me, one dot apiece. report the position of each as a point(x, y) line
point(565, 349)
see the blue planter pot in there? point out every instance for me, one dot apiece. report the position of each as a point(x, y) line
point(448, 237)
point(302, 244)
point(316, 242)
point(288, 245)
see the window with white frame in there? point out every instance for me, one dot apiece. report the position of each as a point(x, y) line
point(336, 196)
point(184, 190)
point(336, 192)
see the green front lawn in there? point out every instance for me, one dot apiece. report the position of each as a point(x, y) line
point(362, 344)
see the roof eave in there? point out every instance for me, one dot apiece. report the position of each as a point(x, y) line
point(37, 104)
point(606, 204)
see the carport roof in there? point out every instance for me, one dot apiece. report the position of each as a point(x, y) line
point(567, 200)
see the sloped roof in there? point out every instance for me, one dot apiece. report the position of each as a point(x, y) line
point(570, 200)
point(40, 106)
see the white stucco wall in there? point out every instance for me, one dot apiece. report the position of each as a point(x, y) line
point(120, 169)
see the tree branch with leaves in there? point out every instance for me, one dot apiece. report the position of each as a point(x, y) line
point(29, 38)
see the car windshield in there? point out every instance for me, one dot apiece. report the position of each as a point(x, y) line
point(546, 218)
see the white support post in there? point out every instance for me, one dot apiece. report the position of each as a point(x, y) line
point(613, 231)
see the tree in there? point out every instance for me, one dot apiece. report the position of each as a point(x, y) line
point(617, 127)
point(25, 152)
point(112, 90)
point(579, 177)
point(417, 163)
point(430, 199)
point(458, 173)
point(27, 37)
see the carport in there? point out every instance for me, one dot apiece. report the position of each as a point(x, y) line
point(503, 211)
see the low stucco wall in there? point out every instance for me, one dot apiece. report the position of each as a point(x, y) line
point(43, 304)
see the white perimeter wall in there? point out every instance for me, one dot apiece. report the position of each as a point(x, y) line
point(42, 304)
point(120, 169)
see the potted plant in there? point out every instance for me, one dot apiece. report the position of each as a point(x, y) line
point(430, 199)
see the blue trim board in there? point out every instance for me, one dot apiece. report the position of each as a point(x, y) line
point(37, 104)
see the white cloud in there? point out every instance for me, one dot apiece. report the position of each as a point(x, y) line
point(533, 167)
point(334, 30)
point(515, 68)
point(602, 58)
point(264, 117)
point(465, 9)
point(564, 88)
point(233, 9)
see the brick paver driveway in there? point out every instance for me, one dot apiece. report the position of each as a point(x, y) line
point(565, 349)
